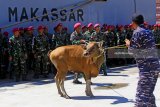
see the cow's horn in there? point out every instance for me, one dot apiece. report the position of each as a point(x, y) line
point(100, 44)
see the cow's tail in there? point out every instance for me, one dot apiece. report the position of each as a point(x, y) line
point(49, 52)
point(53, 62)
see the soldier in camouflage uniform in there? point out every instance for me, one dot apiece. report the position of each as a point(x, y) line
point(77, 38)
point(65, 30)
point(5, 55)
point(60, 37)
point(40, 49)
point(17, 53)
point(84, 29)
point(121, 34)
point(99, 36)
point(51, 67)
point(111, 40)
point(156, 32)
point(143, 47)
point(103, 29)
point(89, 32)
point(29, 48)
point(49, 36)
point(129, 32)
point(110, 37)
point(21, 29)
point(114, 30)
point(22, 34)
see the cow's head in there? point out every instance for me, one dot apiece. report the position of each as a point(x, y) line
point(93, 49)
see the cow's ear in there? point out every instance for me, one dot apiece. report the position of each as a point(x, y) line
point(84, 46)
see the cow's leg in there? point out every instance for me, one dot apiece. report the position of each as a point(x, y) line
point(88, 85)
point(88, 88)
point(65, 95)
point(57, 79)
point(62, 78)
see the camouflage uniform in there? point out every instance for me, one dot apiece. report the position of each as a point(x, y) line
point(110, 38)
point(121, 37)
point(88, 34)
point(49, 36)
point(144, 50)
point(60, 39)
point(30, 54)
point(68, 42)
point(84, 29)
point(5, 55)
point(156, 33)
point(129, 33)
point(41, 48)
point(121, 58)
point(115, 38)
point(98, 37)
point(51, 67)
point(76, 38)
point(17, 50)
point(65, 31)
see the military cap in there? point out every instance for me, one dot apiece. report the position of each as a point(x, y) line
point(77, 25)
point(90, 24)
point(15, 30)
point(30, 28)
point(83, 27)
point(5, 33)
point(40, 27)
point(59, 24)
point(96, 25)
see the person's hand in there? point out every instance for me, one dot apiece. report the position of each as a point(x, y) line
point(92, 37)
point(82, 41)
point(127, 42)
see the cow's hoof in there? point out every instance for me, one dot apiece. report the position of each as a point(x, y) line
point(61, 94)
point(89, 94)
point(92, 96)
point(67, 97)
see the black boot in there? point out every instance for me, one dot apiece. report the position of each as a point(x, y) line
point(76, 81)
point(104, 72)
point(17, 78)
point(45, 75)
point(36, 76)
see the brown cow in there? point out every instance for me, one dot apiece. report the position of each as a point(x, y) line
point(84, 59)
